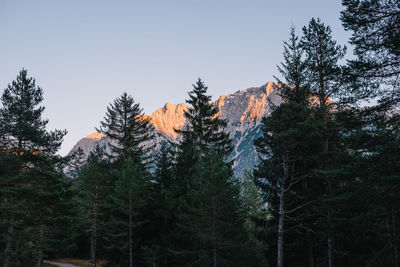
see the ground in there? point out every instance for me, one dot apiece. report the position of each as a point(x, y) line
point(70, 263)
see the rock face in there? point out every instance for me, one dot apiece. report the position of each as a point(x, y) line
point(243, 111)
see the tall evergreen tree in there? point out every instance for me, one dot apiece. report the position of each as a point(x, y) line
point(131, 134)
point(129, 130)
point(325, 78)
point(215, 218)
point(94, 184)
point(375, 27)
point(126, 226)
point(375, 74)
point(24, 131)
point(204, 127)
point(286, 153)
point(256, 218)
point(286, 148)
point(48, 226)
point(293, 71)
point(203, 133)
point(22, 125)
point(163, 205)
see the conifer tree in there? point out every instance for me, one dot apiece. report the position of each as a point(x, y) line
point(203, 133)
point(127, 234)
point(290, 138)
point(21, 116)
point(131, 134)
point(24, 131)
point(49, 224)
point(293, 71)
point(256, 218)
point(94, 185)
point(204, 128)
point(129, 130)
point(375, 27)
point(374, 142)
point(325, 78)
point(163, 204)
point(216, 217)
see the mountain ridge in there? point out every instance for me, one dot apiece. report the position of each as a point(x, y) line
point(242, 109)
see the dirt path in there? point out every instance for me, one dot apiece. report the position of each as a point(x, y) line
point(59, 264)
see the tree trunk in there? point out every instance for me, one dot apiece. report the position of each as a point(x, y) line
point(7, 249)
point(280, 228)
point(130, 234)
point(214, 238)
point(394, 235)
point(93, 240)
point(330, 252)
point(310, 245)
point(282, 211)
point(40, 256)
point(331, 247)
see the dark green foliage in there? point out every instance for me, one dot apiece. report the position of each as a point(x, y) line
point(94, 185)
point(34, 192)
point(287, 156)
point(205, 126)
point(128, 214)
point(293, 70)
point(126, 232)
point(128, 129)
point(215, 217)
point(322, 56)
point(209, 228)
point(375, 27)
point(163, 206)
point(22, 125)
point(256, 218)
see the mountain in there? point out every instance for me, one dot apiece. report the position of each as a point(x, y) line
point(243, 111)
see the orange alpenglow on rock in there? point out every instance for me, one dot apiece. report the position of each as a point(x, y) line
point(168, 118)
point(95, 135)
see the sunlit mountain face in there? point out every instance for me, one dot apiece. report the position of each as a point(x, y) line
point(242, 109)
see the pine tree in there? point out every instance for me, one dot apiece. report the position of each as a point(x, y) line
point(94, 185)
point(204, 128)
point(322, 56)
point(126, 226)
point(131, 134)
point(325, 78)
point(366, 199)
point(22, 124)
point(286, 148)
point(293, 71)
point(203, 133)
point(49, 225)
point(24, 132)
point(256, 217)
point(163, 204)
point(215, 218)
point(376, 38)
point(374, 142)
point(129, 130)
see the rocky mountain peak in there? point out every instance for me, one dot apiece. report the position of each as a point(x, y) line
point(95, 135)
point(242, 109)
point(168, 118)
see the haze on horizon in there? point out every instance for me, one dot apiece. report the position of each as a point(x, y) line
point(84, 54)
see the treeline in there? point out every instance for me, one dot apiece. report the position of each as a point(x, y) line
point(325, 191)
point(180, 207)
point(329, 166)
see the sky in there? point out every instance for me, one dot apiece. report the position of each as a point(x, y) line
point(85, 53)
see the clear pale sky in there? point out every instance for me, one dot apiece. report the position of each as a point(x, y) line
point(86, 53)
